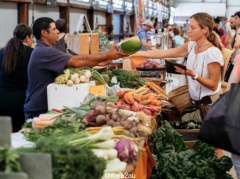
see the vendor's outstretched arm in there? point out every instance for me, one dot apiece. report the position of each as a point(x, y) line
point(157, 54)
point(93, 60)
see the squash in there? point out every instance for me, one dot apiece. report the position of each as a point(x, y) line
point(128, 95)
point(40, 124)
point(98, 90)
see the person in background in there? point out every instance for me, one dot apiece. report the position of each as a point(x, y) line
point(47, 62)
point(177, 38)
point(217, 25)
point(142, 34)
point(14, 58)
point(156, 28)
point(186, 26)
point(231, 46)
point(62, 28)
point(170, 36)
point(215, 29)
point(223, 24)
point(149, 33)
point(236, 45)
point(231, 32)
point(235, 78)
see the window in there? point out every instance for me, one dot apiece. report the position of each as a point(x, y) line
point(165, 12)
point(129, 5)
point(118, 4)
point(102, 2)
point(150, 8)
point(85, 1)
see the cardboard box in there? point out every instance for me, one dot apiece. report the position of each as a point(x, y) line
point(83, 43)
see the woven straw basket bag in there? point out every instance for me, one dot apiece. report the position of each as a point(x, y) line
point(180, 98)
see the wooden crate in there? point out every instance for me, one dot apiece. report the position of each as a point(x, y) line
point(83, 43)
point(188, 134)
point(190, 144)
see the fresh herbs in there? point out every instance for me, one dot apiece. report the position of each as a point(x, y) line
point(175, 161)
point(62, 128)
point(8, 160)
point(126, 79)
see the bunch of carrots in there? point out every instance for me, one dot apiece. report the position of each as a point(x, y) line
point(149, 99)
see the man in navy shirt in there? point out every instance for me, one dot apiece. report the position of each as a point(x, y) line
point(46, 63)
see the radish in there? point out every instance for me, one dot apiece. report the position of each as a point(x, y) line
point(88, 74)
point(73, 77)
point(76, 74)
point(77, 81)
point(69, 82)
point(82, 78)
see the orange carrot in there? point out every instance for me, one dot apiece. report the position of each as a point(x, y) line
point(138, 97)
point(154, 102)
point(158, 103)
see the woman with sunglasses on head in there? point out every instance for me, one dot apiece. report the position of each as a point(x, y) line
point(14, 58)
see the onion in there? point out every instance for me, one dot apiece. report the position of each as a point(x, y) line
point(69, 82)
point(83, 79)
point(88, 74)
point(73, 77)
point(76, 74)
point(77, 81)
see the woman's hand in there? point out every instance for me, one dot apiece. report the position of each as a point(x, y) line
point(188, 72)
point(137, 54)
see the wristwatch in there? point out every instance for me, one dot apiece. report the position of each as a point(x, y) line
point(195, 77)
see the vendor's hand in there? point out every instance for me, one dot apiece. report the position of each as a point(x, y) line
point(113, 54)
point(109, 62)
point(188, 72)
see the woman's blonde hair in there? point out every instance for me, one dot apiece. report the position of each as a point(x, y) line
point(205, 20)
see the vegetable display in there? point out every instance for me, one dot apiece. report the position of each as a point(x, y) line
point(61, 128)
point(126, 79)
point(143, 99)
point(174, 160)
point(69, 161)
point(148, 64)
point(72, 76)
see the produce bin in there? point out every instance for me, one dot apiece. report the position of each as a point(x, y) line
point(84, 43)
point(17, 175)
point(5, 131)
point(63, 95)
point(37, 166)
